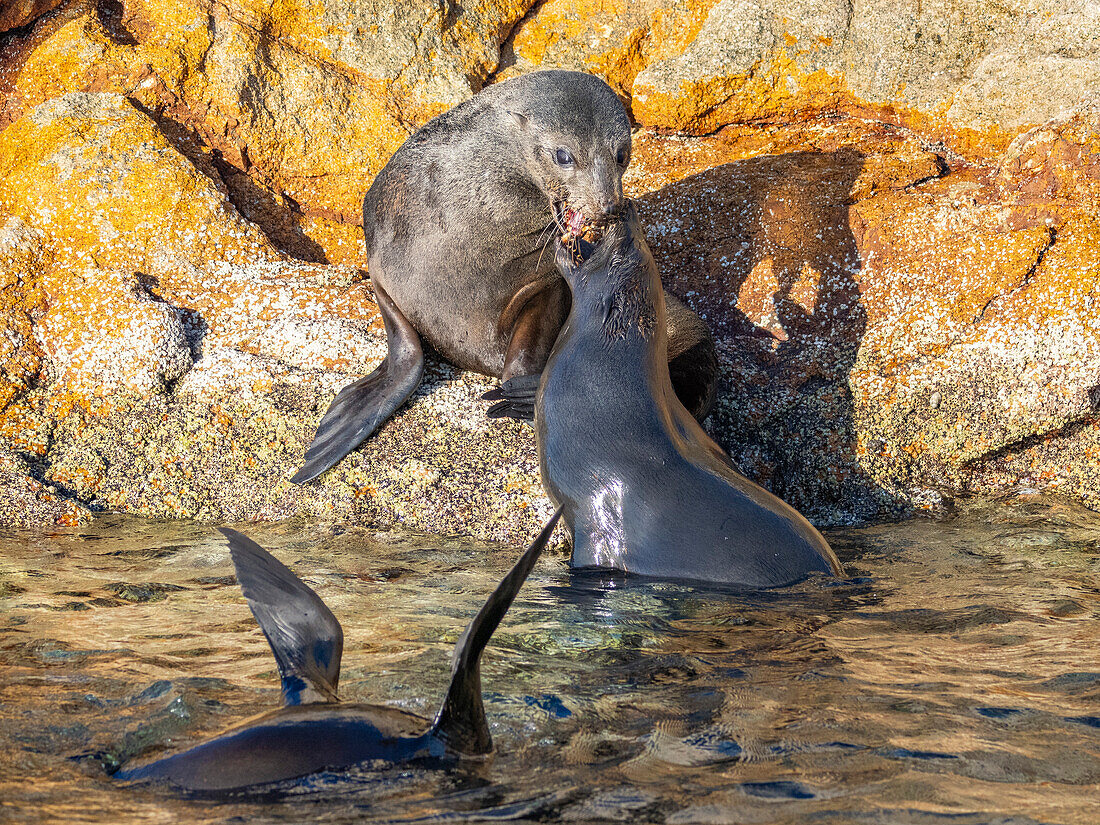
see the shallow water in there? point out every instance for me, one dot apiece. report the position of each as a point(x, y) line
point(955, 677)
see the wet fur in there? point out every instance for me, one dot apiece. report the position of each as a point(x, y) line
point(642, 486)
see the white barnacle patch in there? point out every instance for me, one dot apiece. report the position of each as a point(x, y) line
point(112, 335)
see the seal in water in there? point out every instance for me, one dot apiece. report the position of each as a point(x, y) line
point(456, 226)
point(642, 486)
point(314, 731)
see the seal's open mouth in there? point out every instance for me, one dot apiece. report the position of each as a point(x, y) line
point(581, 235)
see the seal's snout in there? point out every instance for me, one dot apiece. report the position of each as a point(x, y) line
point(579, 232)
point(606, 207)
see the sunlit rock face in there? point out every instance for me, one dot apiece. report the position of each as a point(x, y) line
point(887, 215)
point(897, 327)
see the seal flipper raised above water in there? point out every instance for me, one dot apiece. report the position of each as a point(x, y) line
point(461, 718)
point(314, 731)
point(457, 226)
point(306, 639)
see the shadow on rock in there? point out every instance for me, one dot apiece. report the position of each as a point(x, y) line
point(764, 251)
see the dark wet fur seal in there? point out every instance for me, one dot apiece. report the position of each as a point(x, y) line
point(458, 228)
point(314, 731)
point(643, 487)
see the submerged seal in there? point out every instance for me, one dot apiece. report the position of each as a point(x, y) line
point(642, 487)
point(456, 228)
point(314, 731)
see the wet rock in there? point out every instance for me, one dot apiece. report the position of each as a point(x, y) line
point(142, 592)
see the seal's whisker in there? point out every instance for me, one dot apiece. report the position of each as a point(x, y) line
point(546, 230)
point(549, 237)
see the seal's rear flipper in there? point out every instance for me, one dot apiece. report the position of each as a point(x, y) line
point(515, 398)
point(693, 360)
point(461, 720)
point(304, 635)
point(361, 407)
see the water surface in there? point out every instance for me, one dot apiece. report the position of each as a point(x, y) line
point(954, 677)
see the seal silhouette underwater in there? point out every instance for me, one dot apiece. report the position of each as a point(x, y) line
point(456, 227)
point(314, 731)
point(643, 488)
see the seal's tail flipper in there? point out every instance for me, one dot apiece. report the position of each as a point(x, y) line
point(461, 719)
point(361, 407)
point(304, 635)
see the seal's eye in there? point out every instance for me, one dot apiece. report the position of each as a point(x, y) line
point(563, 157)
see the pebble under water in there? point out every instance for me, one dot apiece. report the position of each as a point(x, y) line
point(953, 677)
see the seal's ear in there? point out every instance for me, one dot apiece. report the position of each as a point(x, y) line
point(520, 120)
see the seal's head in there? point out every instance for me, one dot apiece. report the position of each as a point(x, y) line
point(620, 248)
point(576, 144)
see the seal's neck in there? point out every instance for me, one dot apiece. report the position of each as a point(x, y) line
point(624, 317)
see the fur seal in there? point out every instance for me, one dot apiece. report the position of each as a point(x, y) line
point(643, 488)
point(456, 228)
point(314, 731)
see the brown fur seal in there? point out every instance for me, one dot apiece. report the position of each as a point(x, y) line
point(643, 488)
point(457, 226)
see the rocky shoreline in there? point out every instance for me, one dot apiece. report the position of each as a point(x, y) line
point(900, 260)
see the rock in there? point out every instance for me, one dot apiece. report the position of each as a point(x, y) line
point(186, 362)
point(613, 40)
point(21, 264)
point(27, 502)
point(139, 343)
point(17, 14)
point(297, 106)
point(852, 278)
point(974, 74)
point(886, 213)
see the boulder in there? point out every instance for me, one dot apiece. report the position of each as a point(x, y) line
point(897, 327)
point(185, 361)
point(18, 14)
point(297, 105)
point(886, 214)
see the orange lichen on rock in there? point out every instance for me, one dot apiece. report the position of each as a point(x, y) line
point(24, 256)
point(888, 309)
point(765, 89)
point(612, 39)
point(893, 239)
point(93, 172)
point(308, 99)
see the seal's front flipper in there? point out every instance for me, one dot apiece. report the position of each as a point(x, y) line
point(461, 720)
point(361, 407)
point(532, 321)
point(304, 635)
point(515, 398)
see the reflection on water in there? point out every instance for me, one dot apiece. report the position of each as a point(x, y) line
point(954, 678)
